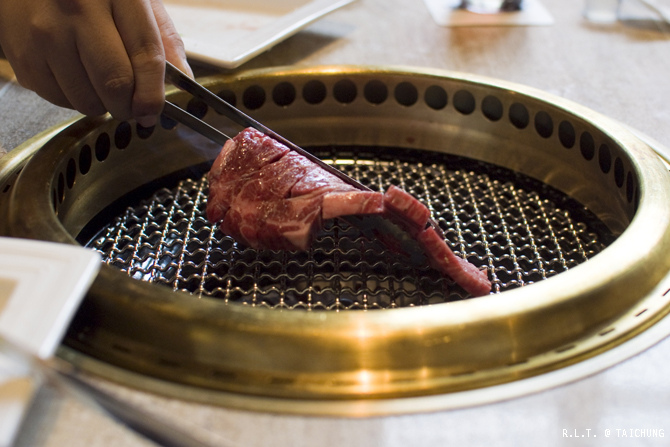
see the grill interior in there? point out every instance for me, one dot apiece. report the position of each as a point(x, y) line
point(520, 230)
point(565, 209)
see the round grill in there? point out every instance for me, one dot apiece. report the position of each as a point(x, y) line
point(519, 230)
point(566, 210)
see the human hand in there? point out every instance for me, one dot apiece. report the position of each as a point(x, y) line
point(95, 56)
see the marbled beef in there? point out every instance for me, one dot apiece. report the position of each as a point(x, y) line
point(268, 197)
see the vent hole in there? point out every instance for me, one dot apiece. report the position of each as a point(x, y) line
point(168, 123)
point(518, 116)
point(122, 135)
point(102, 149)
point(228, 96)
point(566, 134)
point(492, 108)
point(587, 146)
point(618, 172)
point(436, 97)
point(197, 108)
point(85, 159)
point(464, 102)
point(605, 158)
point(345, 91)
point(376, 92)
point(544, 125)
point(283, 94)
point(406, 94)
point(253, 97)
point(144, 132)
point(314, 92)
point(103, 144)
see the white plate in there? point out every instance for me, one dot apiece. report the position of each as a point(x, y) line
point(228, 33)
point(41, 287)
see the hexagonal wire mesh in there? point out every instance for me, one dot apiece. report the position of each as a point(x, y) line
point(520, 230)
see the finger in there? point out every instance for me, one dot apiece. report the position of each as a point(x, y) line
point(73, 81)
point(141, 36)
point(105, 60)
point(172, 41)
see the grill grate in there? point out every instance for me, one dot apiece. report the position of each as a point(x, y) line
point(521, 230)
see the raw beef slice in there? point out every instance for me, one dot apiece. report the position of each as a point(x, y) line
point(268, 197)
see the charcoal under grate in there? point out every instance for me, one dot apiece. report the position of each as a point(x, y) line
point(519, 230)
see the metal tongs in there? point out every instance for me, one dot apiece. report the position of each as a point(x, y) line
point(180, 80)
